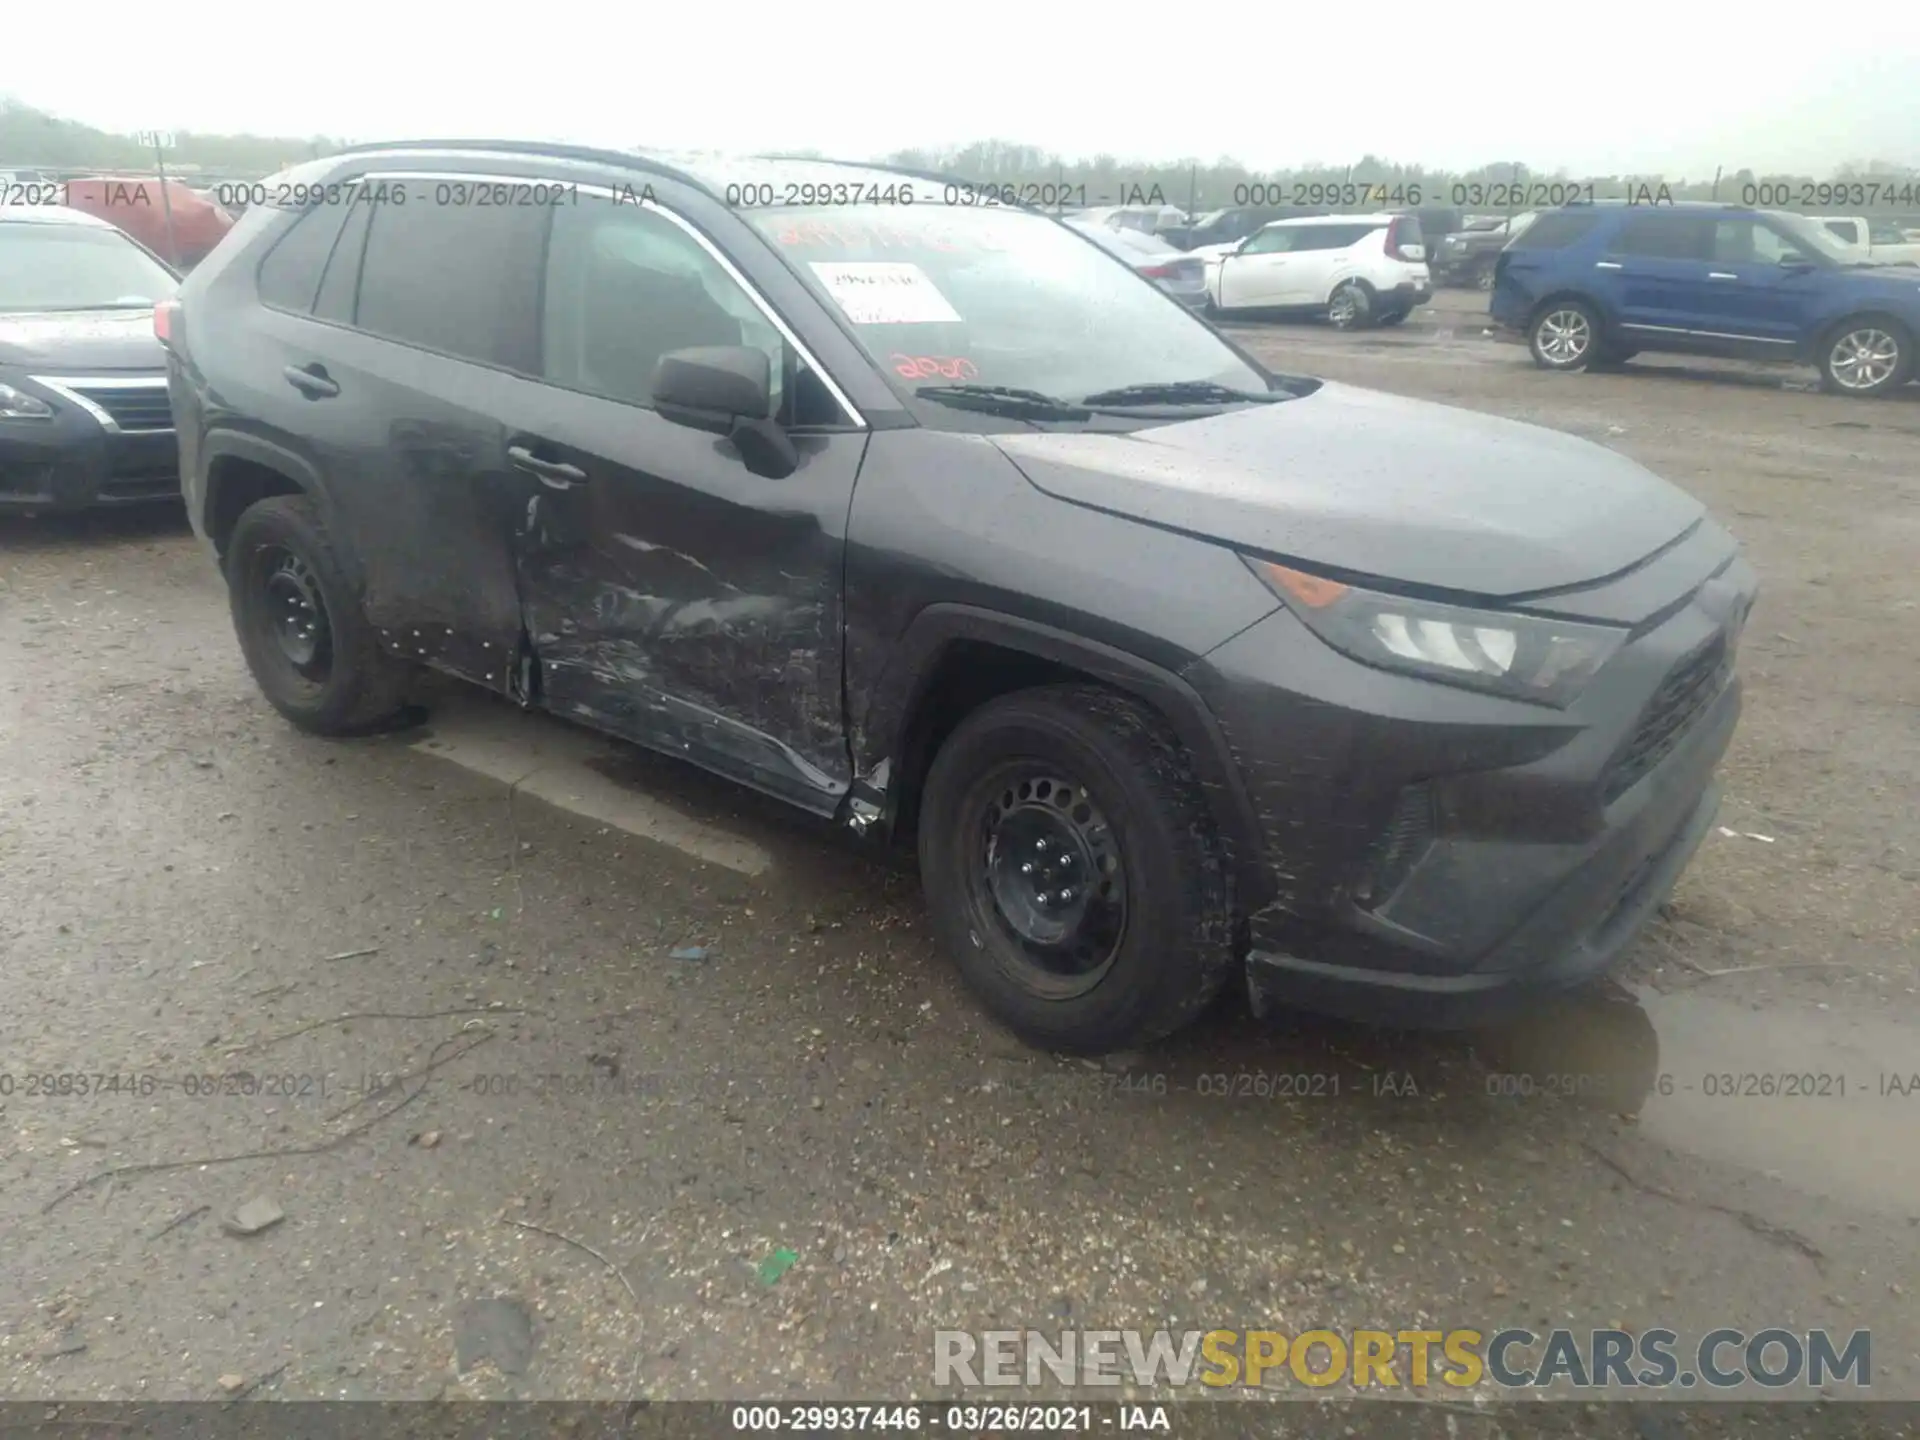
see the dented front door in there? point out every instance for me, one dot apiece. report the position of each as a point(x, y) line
point(676, 599)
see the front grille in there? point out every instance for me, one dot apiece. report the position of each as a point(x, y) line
point(1682, 697)
point(133, 407)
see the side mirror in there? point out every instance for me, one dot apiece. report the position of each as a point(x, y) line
point(727, 390)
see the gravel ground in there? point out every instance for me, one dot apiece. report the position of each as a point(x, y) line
point(518, 1149)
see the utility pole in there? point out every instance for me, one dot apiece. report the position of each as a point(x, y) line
point(161, 140)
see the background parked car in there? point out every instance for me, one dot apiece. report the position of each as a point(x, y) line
point(1879, 240)
point(1229, 227)
point(1595, 285)
point(84, 418)
point(1357, 270)
point(1467, 256)
point(135, 204)
point(1181, 275)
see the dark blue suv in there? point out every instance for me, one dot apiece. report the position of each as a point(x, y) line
point(1593, 285)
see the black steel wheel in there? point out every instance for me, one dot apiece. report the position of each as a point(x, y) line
point(1047, 869)
point(310, 648)
point(292, 604)
point(1072, 871)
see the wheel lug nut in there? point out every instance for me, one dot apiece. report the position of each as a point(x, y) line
point(1027, 868)
point(1065, 896)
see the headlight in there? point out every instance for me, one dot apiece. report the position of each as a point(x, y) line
point(18, 405)
point(1528, 657)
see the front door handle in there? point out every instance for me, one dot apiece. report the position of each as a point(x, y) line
point(551, 473)
point(311, 381)
point(1721, 275)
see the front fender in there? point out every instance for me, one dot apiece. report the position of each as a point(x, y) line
point(916, 661)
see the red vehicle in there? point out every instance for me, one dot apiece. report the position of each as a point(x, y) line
point(136, 204)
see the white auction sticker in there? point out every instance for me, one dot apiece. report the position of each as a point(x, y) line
point(875, 292)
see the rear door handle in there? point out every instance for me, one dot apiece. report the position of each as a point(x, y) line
point(1606, 264)
point(550, 473)
point(1721, 275)
point(311, 381)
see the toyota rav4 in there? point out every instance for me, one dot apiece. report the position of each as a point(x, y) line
point(931, 519)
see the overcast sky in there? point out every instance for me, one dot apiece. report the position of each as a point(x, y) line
point(1646, 86)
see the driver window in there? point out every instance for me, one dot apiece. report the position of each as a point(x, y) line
point(1270, 242)
point(624, 286)
point(1738, 242)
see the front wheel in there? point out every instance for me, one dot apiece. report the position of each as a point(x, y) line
point(1071, 871)
point(1350, 306)
point(1866, 357)
point(311, 651)
point(1564, 336)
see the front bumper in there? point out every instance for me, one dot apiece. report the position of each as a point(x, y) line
point(74, 462)
point(1540, 841)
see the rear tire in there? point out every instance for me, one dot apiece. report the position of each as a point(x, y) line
point(1564, 335)
point(1072, 872)
point(1350, 306)
point(310, 649)
point(1867, 356)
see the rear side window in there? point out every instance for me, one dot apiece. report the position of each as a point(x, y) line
point(1557, 230)
point(290, 275)
point(1847, 230)
point(458, 279)
point(1332, 237)
point(1666, 235)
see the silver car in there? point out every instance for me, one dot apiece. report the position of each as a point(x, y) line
point(1181, 275)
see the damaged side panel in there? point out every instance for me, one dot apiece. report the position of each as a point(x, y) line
point(679, 600)
point(428, 504)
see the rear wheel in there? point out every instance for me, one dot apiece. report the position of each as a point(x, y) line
point(311, 651)
point(1868, 356)
point(1350, 307)
point(1071, 870)
point(1565, 335)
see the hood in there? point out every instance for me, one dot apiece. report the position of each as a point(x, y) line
point(1371, 484)
point(77, 340)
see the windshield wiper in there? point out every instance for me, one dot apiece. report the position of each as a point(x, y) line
point(1004, 400)
point(1181, 392)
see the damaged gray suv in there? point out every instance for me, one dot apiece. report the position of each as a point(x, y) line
point(924, 513)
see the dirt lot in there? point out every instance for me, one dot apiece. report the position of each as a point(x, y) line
point(788, 1161)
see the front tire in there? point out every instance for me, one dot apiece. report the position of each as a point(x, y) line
point(1071, 870)
point(310, 649)
point(1867, 357)
point(1565, 335)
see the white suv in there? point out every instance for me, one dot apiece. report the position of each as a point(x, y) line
point(1357, 270)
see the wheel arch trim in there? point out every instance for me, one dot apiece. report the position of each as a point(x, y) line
point(917, 658)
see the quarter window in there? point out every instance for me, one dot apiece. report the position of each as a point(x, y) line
point(290, 275)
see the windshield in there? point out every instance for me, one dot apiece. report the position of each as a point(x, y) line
point(1816, 237)
point(998, 296)
point(76, 267)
